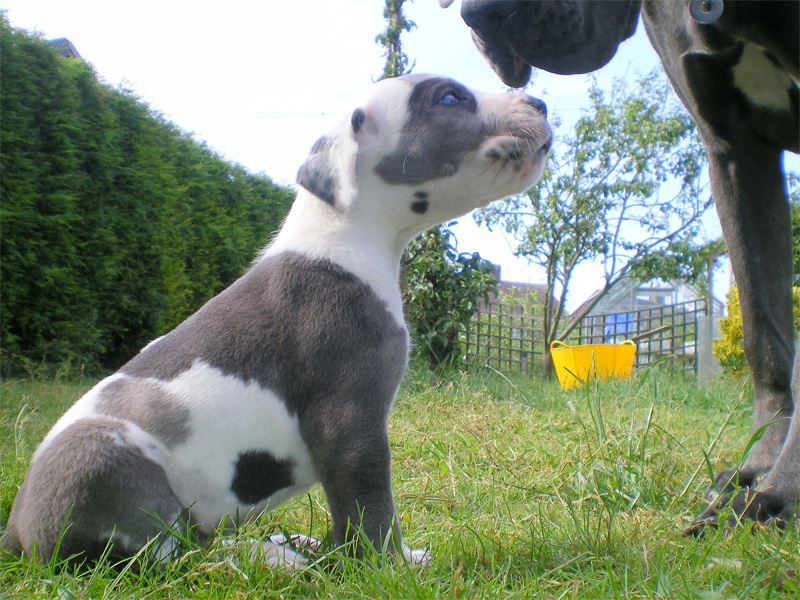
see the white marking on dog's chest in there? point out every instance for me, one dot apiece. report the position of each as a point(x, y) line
point(310, 229)
point(230, 417)
point(758, 78)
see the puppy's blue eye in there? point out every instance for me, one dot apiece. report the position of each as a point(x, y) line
point(449, 98)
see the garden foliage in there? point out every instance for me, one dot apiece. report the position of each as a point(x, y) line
point(728, 348)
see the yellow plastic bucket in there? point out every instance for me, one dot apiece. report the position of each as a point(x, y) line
point(574, 364)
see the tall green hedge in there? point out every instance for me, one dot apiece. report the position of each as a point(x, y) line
point(114, 224)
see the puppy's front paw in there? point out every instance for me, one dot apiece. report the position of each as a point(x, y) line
point(297, 540)
point(281, 551)
point(280, 555)
point(416, 558)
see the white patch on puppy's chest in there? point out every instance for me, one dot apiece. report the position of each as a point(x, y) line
point(764, 83)
point(311, 229)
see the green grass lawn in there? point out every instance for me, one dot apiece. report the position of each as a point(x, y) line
point(519, 489)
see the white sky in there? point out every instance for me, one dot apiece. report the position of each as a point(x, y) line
point(261, 81)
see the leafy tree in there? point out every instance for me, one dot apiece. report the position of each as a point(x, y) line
point(440, 286)
point(115, 224)
point(623, 186)
point(396, 23)
point(685, 260)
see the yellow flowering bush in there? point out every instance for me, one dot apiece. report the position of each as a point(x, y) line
point(728, 347)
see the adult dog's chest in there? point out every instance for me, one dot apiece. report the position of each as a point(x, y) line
point(732, 86)
point(229, 402)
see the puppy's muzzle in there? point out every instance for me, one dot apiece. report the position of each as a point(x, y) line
point(526, 133)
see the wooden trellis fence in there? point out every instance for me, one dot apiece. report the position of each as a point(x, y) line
point(668, 331)
point(509, 337)
point(505, 336)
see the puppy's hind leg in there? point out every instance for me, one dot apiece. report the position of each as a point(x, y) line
point(91, 485)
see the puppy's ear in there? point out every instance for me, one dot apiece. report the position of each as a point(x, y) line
point(330, 170)
point(357, 119)
point(319, 174)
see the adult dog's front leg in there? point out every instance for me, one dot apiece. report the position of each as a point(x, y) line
point(748, 186)
point(776, 497)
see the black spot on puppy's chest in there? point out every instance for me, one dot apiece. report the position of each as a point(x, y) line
point(258, 475)
point(420, 204)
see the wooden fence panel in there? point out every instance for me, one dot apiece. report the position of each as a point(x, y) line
point(510, 337)
point(506, 337)
point(668, 331)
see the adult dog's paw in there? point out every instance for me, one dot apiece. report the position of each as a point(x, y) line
point(764, 506)
point(758, 506)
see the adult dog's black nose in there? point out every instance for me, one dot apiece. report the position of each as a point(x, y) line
point(483, 15)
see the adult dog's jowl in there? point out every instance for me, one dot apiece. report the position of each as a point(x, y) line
point(287, 377)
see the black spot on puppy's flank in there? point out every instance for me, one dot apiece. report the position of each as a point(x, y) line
point(259, 475)
point(420, 204)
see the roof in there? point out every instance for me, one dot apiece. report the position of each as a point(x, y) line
point(513, 288)
point(631, 295)
point(519, 290)
point(65, 48)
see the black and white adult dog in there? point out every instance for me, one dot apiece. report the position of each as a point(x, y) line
point(286, 378)
point(734, 63)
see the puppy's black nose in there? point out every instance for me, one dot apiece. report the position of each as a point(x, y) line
point(539, 105)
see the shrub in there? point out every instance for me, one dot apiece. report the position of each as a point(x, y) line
point(728, 348)
point(442, 292)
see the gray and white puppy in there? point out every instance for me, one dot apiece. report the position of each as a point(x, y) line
point(286, 378)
